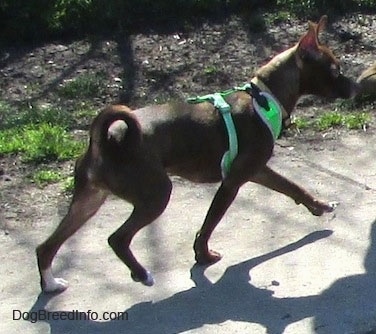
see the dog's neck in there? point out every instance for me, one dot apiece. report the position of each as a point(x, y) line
point(281, 76)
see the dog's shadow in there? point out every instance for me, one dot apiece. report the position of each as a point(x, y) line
point(232, 297)
point(348, 305)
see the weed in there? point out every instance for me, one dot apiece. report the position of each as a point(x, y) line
point(13, 117)
point(68, 185)
point(301, 123)
point(357, 121)
point(46, 176)
point(84, 86)
point(329, 120)
point(212, 69)
point(272, 18)
point(83, 115)
point(5, 112)
point(41, 142)
point(335, 119)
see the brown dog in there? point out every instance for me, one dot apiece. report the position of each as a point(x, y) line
point(131, 153)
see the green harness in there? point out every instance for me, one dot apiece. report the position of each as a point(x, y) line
point(265, 105)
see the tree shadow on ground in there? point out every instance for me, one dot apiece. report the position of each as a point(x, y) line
point(125, 51)
point(230, 298)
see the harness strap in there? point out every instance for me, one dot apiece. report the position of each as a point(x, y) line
point(265, 104)
point(225, 110)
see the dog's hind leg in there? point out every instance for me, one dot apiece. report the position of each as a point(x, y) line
point(85, 203)
point(148, 206)
point(272, 180)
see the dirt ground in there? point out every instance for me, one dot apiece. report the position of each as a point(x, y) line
point(284, 271)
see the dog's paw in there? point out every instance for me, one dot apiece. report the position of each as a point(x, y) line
point(319, 208)
point(51, 284)
point(332, 206)
point(148, 281)
point(206, 258)
point(59, 285)
point(203, 255)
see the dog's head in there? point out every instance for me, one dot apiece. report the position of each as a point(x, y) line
point(320, 70)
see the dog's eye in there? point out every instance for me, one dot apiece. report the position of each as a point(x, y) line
point(335, 70)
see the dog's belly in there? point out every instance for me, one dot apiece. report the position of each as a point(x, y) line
point(196, 171)
point(189, 140)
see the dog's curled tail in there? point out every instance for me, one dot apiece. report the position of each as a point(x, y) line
point(115, 130)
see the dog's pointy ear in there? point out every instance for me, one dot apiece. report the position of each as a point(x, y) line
point(308, 45)
point(322, 24)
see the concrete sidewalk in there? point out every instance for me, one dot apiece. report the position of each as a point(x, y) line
point(283, 270)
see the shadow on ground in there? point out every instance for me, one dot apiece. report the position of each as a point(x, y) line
point(230, 298)
point(234, 298)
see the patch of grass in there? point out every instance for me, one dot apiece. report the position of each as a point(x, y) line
point(40, 143)
point(38, 134)
point(359, 121)
point(302, 123)
point(353, 121)
point(68, 185)
point(84, 86)
point(84, 114)
point(211, 69)
point(12, 117)
point(277, 17)
point(335, 119)
point(5, 112)
point(44, 177)
point(329, 120)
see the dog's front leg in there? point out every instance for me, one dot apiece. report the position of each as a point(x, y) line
point(272, 180)
point(221, 202)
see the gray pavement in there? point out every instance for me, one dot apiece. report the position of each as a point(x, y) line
point(283, 270)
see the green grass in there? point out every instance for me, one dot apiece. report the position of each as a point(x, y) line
point(42, 135)
point(329, 120)
point(84, 114)
point(277, 17)
point(68, 185)
point(38, 134)
point(44, 177)
point(13, 117)
point(40, 143)
point(211, 69)
point(302, 123)
point(352, 121)
point(335, 119)
point(84, 86)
